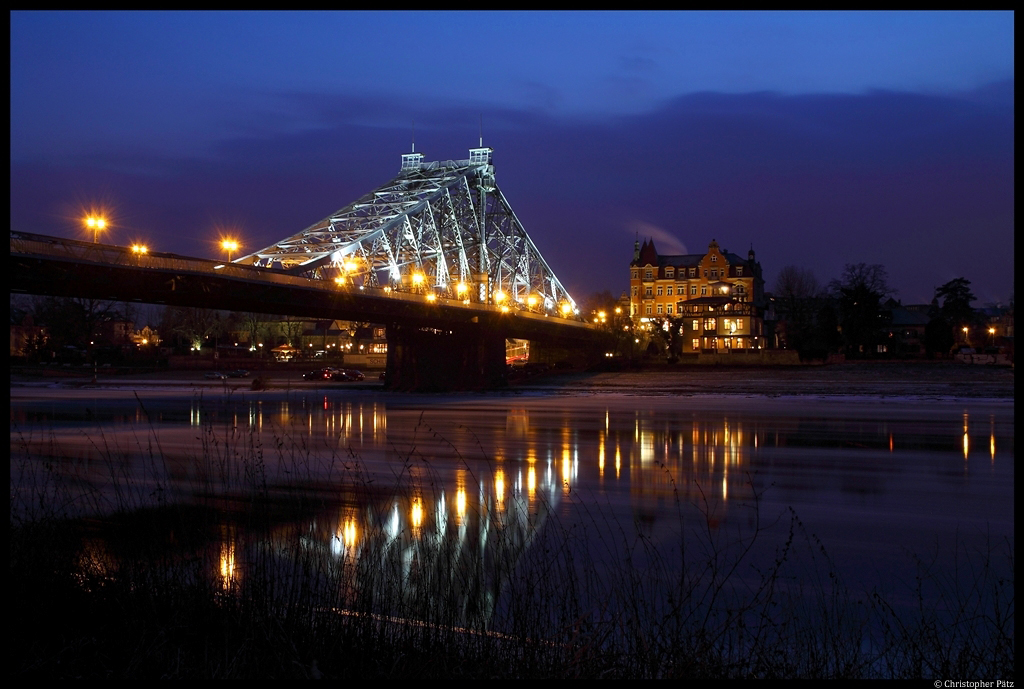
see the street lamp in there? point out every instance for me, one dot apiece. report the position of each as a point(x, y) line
point(139, 249)
point(96, 223)
point(991, 336)
point(229, 245)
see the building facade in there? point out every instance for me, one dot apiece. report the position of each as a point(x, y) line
point(715, 299)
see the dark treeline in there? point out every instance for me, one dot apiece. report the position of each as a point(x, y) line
point(854, 314)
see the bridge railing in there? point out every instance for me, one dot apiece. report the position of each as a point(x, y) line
point(106, 254)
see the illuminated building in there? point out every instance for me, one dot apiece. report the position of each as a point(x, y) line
point(716, 298)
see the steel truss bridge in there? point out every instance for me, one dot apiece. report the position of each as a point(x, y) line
point(436, 254)
point(442, 229)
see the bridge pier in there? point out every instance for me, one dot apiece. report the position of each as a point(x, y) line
point(423, 359)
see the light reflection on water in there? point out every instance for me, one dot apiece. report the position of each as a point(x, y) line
point(448, 473)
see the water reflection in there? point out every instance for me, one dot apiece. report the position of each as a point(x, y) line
point(439, 487)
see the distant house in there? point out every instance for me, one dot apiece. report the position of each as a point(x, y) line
point(24, 334)
point(904, 332)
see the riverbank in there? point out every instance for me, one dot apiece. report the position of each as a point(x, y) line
point(883, 379)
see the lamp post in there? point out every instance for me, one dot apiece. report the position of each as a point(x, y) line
point(229, 245)
point(96, 223)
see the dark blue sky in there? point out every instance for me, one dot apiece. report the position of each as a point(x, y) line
point(819, 138)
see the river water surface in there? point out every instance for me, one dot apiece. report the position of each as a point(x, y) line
point(873, 484)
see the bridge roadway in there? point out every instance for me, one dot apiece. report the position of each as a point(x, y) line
point(432, 345)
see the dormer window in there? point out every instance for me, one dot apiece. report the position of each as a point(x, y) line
point(670, 272)
point(714, 257)
point(739, 271)
point(648, 274)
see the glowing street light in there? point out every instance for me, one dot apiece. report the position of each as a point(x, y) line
point(229, 245)
point(566, 308)
point(140, 249)
point(499, 297)
point(96, 223)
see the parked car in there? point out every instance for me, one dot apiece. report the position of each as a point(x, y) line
point(320, 374)
point(347, 374)
point(215, 375)
point(239, 373)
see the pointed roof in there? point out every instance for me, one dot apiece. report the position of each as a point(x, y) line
point(648, 254)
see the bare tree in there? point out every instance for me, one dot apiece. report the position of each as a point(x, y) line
point(796, 283)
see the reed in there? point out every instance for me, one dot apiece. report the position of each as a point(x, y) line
point(245, 575)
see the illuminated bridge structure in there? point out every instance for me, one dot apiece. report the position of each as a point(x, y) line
point(436, 254)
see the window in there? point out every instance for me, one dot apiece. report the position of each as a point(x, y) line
point(648, 274)
point(668, 290)
point(739, 271)
point(696, 325)
point(693, 289)
point(636, 274)
point(696, 343)
point(705, 272)
point(668, 309)
point(709, 323)
point(714, 257)
point(659, 308)
point(647, 291)
point(693, 272)
point(714, 272)
point(670, 272)
point(634, 290)
point(647, 309)
point(659, 290)
point(703, 290)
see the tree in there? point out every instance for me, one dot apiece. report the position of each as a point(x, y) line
point(194, 324)
point(72, 321)
point(795, 283)
point(859, 293)
point(956, 299)
point(797, 300)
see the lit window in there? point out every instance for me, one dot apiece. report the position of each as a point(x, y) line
point(709, 323)
point(696, 343)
